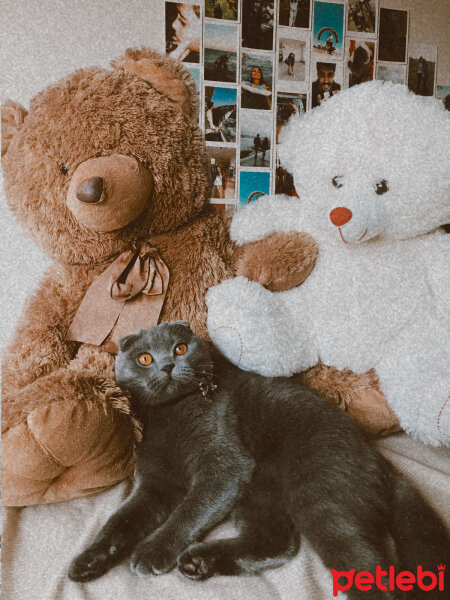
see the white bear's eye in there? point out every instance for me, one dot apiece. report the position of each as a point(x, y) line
point(381, 187)
point(338, 181)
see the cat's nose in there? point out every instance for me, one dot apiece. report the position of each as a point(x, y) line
point(168, 368)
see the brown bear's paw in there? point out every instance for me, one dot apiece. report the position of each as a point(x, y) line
point(279, 261)
point(66, 449)
point(358, 395)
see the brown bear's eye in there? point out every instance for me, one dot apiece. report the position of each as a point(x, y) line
point(381, 187)
point(64, 169)
point(145, 359)
point(337, 181)
point(181, 349)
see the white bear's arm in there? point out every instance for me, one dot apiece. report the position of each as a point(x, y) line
point(269, 214)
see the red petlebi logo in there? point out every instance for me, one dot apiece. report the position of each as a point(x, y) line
point(388, 580)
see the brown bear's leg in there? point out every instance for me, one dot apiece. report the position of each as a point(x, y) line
point(279, 261)
point(358, 395)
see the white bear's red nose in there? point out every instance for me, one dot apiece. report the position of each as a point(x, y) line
point(340, 216)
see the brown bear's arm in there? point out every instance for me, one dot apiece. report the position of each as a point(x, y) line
point(279, 261)
point(37, 347)
point(38, 366)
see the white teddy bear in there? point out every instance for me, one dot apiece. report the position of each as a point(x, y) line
point(372, 169)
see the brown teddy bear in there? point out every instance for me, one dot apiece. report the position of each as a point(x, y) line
point(108, 173)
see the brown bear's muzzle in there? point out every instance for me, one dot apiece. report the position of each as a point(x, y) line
point(108, 192)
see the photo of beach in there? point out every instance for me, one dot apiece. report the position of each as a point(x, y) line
point(220, 54)
point(256, 139)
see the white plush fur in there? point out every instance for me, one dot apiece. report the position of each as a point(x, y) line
point(378, 296)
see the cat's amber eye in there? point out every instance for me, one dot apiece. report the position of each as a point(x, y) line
point(180, 349)
point(145, 359)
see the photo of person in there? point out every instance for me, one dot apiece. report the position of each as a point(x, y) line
point(183, 31)
point(222, 171)
point(256, 81)
point(222, 9)
point(288, 105)
point(293, 56)
point(328, 30)
point(253, 185)
point(422, 69)
point(393, 33)
point(220, 114)
point(391, 72)
point(443, 94)
point(256, 139)
point(295, 13)
point(360, 61)
point(326, 84)
point(220, 42)
point(257, 24)
point(361, 16)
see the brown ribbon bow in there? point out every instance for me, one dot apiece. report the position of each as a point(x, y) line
point(127, 296)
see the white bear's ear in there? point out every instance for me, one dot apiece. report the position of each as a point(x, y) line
point(13, 116)
point(288, 138)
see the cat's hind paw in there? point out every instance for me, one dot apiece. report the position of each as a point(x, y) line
point(197, 565)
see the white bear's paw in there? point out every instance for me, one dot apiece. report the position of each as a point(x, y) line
point(239, 327)
point(229, 342)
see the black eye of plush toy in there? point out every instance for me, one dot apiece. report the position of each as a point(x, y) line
point(64, 169)
point(338, 181)
point(381, 187)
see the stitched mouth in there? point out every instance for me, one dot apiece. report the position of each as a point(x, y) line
point(363, 236)
point(358, 240)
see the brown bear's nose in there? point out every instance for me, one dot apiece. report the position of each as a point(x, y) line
point(340, 216)
point(90, 190)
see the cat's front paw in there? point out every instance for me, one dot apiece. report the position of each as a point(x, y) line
point(152, 558)
point(93, 563)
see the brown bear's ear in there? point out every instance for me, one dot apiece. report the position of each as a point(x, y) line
point(165, 75)
point(13, 116)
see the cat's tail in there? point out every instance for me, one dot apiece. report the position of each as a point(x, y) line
point(420, 536)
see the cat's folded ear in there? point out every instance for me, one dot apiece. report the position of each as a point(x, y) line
point(184, 323)
point(126, 342)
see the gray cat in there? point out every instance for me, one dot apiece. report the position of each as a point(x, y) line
point(276, 457)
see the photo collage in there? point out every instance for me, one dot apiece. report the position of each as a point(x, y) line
point(257, 63)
